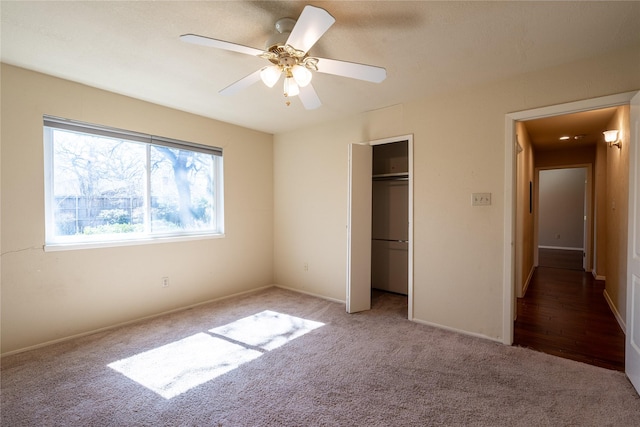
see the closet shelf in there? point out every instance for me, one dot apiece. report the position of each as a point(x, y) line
point(395, 175)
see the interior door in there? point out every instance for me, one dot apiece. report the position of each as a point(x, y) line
point(632, 356)
point(359, 229)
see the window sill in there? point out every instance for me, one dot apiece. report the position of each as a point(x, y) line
point(55, 247)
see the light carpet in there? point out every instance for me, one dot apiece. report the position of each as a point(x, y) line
point(279, 358)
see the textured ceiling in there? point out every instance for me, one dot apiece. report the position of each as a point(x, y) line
point(132, 48)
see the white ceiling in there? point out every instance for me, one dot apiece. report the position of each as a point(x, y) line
point(132, 48)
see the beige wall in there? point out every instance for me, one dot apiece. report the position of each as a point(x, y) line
point(524, 216)
point(562, 200)
point(459, 146)
point(52, 295)
point(617, 208)
point(565, 157)
point(285, 204)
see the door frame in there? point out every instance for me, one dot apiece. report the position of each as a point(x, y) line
point(390, 140)
point(508, 279)
point(632, 342)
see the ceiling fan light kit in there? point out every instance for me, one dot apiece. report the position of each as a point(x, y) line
point(301, 75)
point(288, 52)
point(270, 75)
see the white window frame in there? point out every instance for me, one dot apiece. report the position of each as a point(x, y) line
point(54, 243)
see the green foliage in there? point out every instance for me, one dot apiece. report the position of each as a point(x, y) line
point(114, 229)
point(166, 212)
point(114, 216)
point(66, 223)
point(201, 210)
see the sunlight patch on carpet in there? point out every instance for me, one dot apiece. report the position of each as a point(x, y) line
point(181, 365)
point(267, 330)
point(177, 367)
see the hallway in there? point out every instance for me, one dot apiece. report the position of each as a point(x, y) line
point(564, 313)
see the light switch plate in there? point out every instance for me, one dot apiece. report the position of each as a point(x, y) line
point(481, 199)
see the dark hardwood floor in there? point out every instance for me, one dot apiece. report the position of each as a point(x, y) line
point(564, 313)
point(560, 258)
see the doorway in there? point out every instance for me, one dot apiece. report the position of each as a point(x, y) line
point(627, 121)
point(559, 303)
point(380, 221)
point(512, 147)
point(390, 218)
point(563, 216)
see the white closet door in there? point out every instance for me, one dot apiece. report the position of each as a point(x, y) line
point(359, 229)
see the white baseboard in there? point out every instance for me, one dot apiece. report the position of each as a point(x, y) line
point(422, 322)
point(615, 312)
point(459, 331)
point(597, 277)
point(311, 294)
point(130, 322)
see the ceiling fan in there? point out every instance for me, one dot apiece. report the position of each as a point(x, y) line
point(288, 52)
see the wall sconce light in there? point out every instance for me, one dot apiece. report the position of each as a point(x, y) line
point(611, 136)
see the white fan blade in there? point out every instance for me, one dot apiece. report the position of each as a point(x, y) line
point(220, 44)
point(351, 69)
point(311, 25)
point(243, 83)
point(309, 97)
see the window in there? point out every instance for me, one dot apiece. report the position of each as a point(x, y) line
point(109, 185)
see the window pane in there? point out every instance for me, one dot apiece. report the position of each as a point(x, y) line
point(181, 188)
point(110, 185)
point(98, 184)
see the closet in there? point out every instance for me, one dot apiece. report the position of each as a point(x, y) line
point(390, 218)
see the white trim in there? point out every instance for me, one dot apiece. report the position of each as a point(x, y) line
point(311, 294)
point(508, 276)
point(130, 322)
point(509, 233)
point(632, 352)
point(410, 268)
point(574, 107)
point(615, 312)
point(459, 331)
point(390, 140)
point(118, 243)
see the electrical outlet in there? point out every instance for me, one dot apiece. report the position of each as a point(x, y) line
point(481, 199)
point(165, 282)
point(306, 266)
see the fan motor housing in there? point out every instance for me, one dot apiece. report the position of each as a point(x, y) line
point(284, 26)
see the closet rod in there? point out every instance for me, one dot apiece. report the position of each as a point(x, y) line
point(391, 178)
